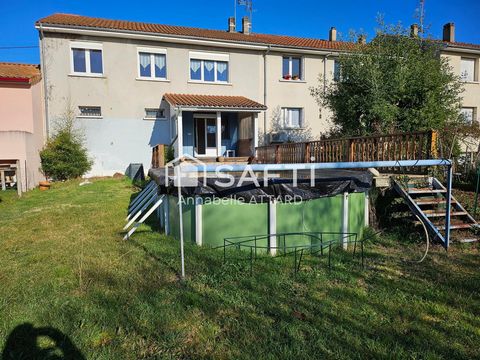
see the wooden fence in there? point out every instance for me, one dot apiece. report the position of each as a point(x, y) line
point(399, 146)
point(158, 156)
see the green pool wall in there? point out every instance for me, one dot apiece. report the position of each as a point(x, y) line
point(225, 219)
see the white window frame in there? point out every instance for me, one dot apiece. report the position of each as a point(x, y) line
point(284, 117)
point(80, 116)
point(155, 118)
point(87, 46)
point(152, 52)
point(474, 113)
point(474, 75)
point(290, 66)
point(207, 56)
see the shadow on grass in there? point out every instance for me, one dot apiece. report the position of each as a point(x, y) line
point(28, 342)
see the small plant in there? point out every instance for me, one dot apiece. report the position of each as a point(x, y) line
point(169, 154)
point(64, 156)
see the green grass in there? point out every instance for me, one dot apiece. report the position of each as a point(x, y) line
point(64, 266)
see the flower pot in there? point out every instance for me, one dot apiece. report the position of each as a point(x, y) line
point(44, 185)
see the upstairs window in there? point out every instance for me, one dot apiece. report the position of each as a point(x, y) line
point(86, 59)
point(90, 111)
point(292, 118)
point(154, 114)
point(468, 114)
point(209, 67)
point(336, 70)
point(292, 68)
point(152, 64)
point(467, 69)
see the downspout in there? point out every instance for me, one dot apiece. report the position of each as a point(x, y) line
point(44, 78)
point(325, 72)
point(265, 94)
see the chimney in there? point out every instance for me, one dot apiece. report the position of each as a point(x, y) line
point(332, 34)
point(449, 32)
point(414, 30)
point(362, 39)
point(231, 24)
point(246, 25)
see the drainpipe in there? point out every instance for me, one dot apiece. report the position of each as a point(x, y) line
point(44, 78)
point(325, 72)
point(265, 93)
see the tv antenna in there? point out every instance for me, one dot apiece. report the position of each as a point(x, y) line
point(248, 5)
point(421, 13)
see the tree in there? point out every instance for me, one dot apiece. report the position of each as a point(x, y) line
point(397, 82)
point(64, 156)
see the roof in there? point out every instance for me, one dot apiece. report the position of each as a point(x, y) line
point(213, 101)
point(20, 73)
point(461, 45)
point(77, 21)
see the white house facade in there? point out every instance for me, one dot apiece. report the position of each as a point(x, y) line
point(208, 93)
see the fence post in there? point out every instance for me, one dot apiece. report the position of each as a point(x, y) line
point(277, 154)
point(351, 150)
point(307, 152)
point(433, 144)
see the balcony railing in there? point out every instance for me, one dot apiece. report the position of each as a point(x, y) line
point(398, 146)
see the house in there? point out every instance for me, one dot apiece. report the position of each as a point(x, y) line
point(22, 125)
point(206, 92)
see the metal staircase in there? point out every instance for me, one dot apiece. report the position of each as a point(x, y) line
point(427, 199)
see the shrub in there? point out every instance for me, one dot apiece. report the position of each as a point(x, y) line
point(64, 157)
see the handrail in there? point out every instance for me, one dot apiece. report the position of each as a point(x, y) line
point(396, 146)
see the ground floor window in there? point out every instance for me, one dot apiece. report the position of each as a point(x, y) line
point(292, 117)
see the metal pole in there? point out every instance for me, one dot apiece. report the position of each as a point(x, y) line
point(180, 216)
point(476, 192)
point(448, 205)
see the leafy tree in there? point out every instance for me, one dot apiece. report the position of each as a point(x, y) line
point(397, 82)
point(64, 156)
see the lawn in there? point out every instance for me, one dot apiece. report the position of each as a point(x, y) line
point(66, 274)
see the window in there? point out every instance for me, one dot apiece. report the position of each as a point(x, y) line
point(336, 70)
point(467, 69)
point(292, 117)
point(209, 67)
point(292, 68)
point(154, 113)
point(90, 111)
point(469, 114)
point(152, 63)
point(86, 58)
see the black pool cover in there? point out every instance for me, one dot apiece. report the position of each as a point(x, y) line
point(282, 187)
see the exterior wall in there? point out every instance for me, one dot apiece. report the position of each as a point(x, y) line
point(122, 136)
point(284, 93)
point(22, 129)
point(471, 94)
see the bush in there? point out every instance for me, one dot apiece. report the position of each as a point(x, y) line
point(64, 156)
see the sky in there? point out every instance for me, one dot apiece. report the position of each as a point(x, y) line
point(305, 18)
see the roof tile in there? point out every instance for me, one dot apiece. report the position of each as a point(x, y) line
point(213, 101)
point(264, 39)
point(17, 72)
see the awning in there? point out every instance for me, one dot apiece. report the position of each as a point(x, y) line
point(213, 102)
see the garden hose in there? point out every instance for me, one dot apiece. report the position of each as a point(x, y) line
point(428, 241)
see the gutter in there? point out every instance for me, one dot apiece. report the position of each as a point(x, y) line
point(44, 78)
point(15, 80)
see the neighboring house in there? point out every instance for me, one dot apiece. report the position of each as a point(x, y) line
point(464, 60)
point(22, 126)
point(206, 92)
